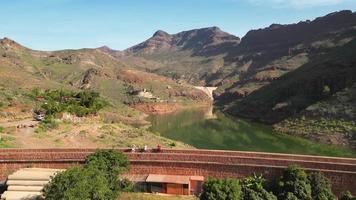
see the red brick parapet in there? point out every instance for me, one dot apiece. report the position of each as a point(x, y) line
point(341, 171)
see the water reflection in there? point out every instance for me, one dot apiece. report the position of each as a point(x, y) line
point(203, 129)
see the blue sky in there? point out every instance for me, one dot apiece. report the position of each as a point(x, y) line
point(63, 24)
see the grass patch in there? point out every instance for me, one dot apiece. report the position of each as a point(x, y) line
point(322, 126)
point(41, 132)
point(4, 141)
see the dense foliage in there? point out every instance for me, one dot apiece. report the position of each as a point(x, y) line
point(79, 103)
point(78, 184)
point(97, 180)
point(111, 163)
point(253, 188)
point(320, 187)
point(347, 196)
point(294, 184)
point(221, 189)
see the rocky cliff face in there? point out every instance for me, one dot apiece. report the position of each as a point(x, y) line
point(266, 54)
point(290, 35)
point(210, 56)
point(204, 42)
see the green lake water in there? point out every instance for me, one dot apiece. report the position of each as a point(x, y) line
point(227, 133)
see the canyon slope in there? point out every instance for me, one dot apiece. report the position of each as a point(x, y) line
point(284, 75)
point(188, 56)
point(270, 75)
point(24, 71)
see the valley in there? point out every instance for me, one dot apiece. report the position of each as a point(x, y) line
point(284, 88)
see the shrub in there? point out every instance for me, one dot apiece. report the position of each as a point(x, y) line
point(347, 196)
point(221, 189)
point(126, 185)
point(1, 129)
point(49, 123)
point(294, 184)
point(326, 89)
point(81, 103)
point(320, 187)
point(253, 188)
point(79, 184)
point(97, 180)
point(111, 162)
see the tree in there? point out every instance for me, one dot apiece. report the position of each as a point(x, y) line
point(347, 196)
point(221, 189)
point(111, 162)
point(320, 187)
point(294, 185)
point(97, 180)
point(253, 188)
point(79, 184)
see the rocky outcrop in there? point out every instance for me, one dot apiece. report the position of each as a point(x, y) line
point(265, 55)
point(7, 43)
point(204, 42)
point(284, 36)
point(88, 77)
point(159, 42)
point(157, 108)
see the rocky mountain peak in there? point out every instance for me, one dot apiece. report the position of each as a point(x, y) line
point(197, 40)
point(105, 49)
point(8, 43)
point(160, 33)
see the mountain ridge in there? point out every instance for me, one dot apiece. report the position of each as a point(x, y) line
point(241, 68)
point(195, 40)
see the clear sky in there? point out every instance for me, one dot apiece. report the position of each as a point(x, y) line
point(63, 24)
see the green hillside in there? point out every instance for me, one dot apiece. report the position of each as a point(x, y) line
point(314, 84)
point(23, 69)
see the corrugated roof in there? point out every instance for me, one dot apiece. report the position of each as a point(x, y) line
point(157, 178)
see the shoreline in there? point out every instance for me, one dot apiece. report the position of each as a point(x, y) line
point(167, 108)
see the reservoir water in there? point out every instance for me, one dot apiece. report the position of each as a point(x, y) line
point(198, 128)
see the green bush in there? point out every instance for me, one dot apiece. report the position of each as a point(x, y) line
point(49, 123)
point(126, 185)
point(97, 180)
point(111, 162)
point(79, 184)
point(320, 187)
point(294, 184)
point(347, 196)
point(221, 189)
point(253, 188)
point(79, 103)
point(1, 129)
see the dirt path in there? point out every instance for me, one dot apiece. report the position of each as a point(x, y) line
point(25, 122)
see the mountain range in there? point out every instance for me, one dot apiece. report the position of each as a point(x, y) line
point(272, 74)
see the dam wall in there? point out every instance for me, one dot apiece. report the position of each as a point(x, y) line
point(340, 171)
point(207, 90)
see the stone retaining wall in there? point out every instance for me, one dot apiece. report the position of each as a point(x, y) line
point(341, 171)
